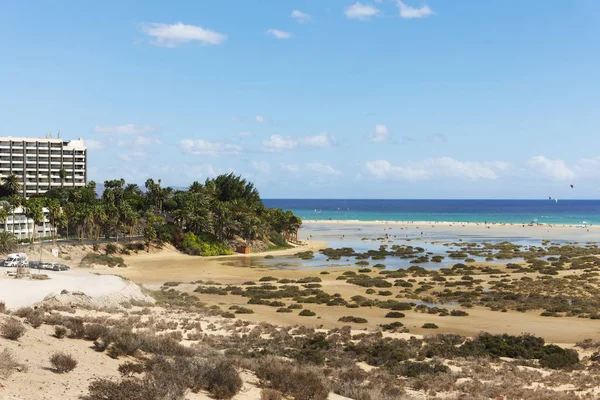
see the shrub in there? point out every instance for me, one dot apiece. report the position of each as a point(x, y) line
point(301, 382)
point(94, 331)
point(62, 362)
point(310, 279)
point(111, 248)
point(2, 307)
point(60, 332)
point(412, 369)
point(12, 329)
point(222, 380)
point(392, 326)
point(7, 363)
point(459, 313)
point(129, 368)
point(244, 310)
point(355, 320)
point(295, 306)
point(556, 357)
point(395, 314)
point(307, 313)
point(429, 325)
point(35, 319)
point(202, 246)
point(384, 293)
point(23, 312)
point(270, 394)
point(102, 259)
point(284, 310)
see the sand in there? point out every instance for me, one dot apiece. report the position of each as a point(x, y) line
point(333, 230)
point(21, 292)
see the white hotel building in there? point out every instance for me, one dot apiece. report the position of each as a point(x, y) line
point(38, 162)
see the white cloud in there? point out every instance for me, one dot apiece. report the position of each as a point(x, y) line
point(208, 148)
point(261, 166)
point(555, 169)
point(300, 16)
point(144, 140)
point(439, 138)
point(260, 119)
point(277, 143)
point(135, 155)
point(276, 33)
point(93, 144)
point(436, 168)
point(197, 172)
point(293, 168)
point(323, 169)
point(244, 134)
point(320, 140)
point(172, 35)
point(127, 129)
point(380, 135)
point(409, 12)
point(361, 11)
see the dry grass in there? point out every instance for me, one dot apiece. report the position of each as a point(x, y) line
point(8, 364)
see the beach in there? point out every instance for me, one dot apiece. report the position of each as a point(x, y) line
point(153, 270)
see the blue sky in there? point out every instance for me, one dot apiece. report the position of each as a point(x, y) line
point(316, 98)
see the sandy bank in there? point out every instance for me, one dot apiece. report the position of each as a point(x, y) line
point(24, 292)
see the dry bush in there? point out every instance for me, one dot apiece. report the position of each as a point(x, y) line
point(94, 331)
point(588, 344)
point(128, 369)
point(194, 336)
point(270, 394)
point(12, 329)
point(62, 362)
point(60, 332)
point(222, 380)
point(8, 364)
point(302, 382)
point(35, 319)
point(23, 312)
point(170, 379)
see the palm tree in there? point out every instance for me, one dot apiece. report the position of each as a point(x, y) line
point(4, 215)
point(54, 213)
point(8, 242)
point(70, 214)
point(12, 184)
point(62, 173)
point(34, 211)
point(14, 202)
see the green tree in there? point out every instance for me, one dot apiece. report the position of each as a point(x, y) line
point(149, 235)
point(35, 212)
point(12, 185)
point(8, 242)
point(70, 213)
point(15, 202)
point(62, 173)
point(54, 214)
point(4, 216)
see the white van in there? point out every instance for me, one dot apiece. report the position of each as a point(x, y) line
point(16, 259)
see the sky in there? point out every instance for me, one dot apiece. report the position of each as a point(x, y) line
point(316, 98)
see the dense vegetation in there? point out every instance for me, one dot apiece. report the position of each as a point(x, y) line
point(201, 220)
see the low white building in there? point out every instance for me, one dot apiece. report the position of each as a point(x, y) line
point(24, 227)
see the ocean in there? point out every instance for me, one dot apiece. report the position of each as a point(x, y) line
point(563, 212)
